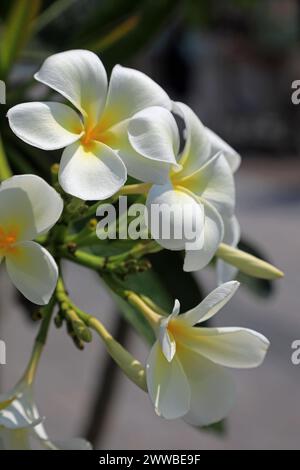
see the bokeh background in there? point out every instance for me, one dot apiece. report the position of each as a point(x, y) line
point(233, 62)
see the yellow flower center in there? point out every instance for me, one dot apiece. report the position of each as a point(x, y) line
point(98, 133)
point(181, 332)
point(7, 240)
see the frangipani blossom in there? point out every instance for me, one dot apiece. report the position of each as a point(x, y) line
point(21, 424)
point(28, 208)
point(201, 186)
point(225, 271)
point(185, 369)
point(97, 153)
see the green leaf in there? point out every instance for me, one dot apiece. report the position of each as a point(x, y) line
point(51, 13)
point(103, 18)
point(111, 247)
point(179, 284)
point(17, 30)
point(146, 21)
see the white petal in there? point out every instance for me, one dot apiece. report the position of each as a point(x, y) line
point(211, 304)
point(17, 408)
point(91, 173)
point(138, 166)
point(46, 203)
point(167, 385)
point(212, 389)
point(213, 182)
point(182, 217)
point(79, 76)
point(231, 347)
point(14, 416)
point(167, 342)
point(131, 91)
point(154, 134)
point(213, 234)
point(47, 126)
point(33, 271)
point(217, 144)
point(16, 214)
point(225, 271)
point(165, 337)
point(70, 444)
point(176, 309)
point(197, 148)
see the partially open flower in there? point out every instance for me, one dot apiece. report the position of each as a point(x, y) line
point(200, 189)
point(185, 373)
point(21, 426)
point(28, 208)
point(98, 153)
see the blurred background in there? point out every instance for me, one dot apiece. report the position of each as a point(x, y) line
point(233, 62)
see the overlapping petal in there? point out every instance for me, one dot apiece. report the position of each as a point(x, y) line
point(153, 133)
point(129, 92)
point(48, 125)
point(229, 346)
point(16, 214)
point(197, 147)
point(213, 182)
point(182, 217)
point(212, 303)
point(196, 259)
point(33, 271)
point(92, 172)
point(167, 384)
point(79, 76)
point(212, 389)
point(138, 166)
point(46, 203)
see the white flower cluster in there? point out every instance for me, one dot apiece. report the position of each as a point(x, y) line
point(128, 127)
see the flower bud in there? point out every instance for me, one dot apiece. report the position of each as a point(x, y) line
point(247, 263)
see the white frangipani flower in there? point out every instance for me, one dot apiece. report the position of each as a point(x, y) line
point(97, 151)
point(185, 369)
point(201, 186)
point(225, 271)
point(28, 207)
point(21, 425)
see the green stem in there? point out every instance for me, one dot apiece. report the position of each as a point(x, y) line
point(98, 263)
point(5, 171)
point(40, 341)
point(135, 300)
point(139, 188)
point(84, 259)
point(131, 367)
